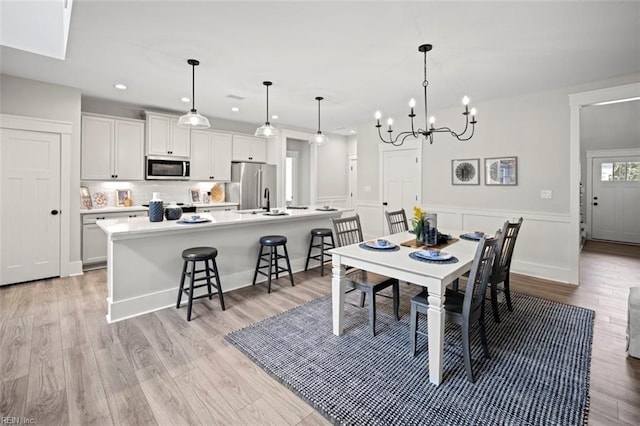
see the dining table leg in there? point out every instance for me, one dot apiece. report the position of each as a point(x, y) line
point(436, 319)
point(338, 289)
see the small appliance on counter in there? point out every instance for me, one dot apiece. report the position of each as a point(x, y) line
point(156, 208)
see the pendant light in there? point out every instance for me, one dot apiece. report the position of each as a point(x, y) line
point(192, 119)
point(267, 130)
point(318, 138)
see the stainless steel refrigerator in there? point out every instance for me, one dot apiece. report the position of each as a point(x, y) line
point(253, 185)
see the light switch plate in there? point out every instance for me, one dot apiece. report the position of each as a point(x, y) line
point(546, 193)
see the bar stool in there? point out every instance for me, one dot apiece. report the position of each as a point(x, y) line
point(192, 256)
point(271, 258)
point(323, 246)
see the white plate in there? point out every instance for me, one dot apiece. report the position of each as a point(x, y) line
point(430, 255)
point(380, 244)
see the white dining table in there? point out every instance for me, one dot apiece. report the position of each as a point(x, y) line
point(398, 264)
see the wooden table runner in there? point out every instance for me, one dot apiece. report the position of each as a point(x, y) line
point(413, 244)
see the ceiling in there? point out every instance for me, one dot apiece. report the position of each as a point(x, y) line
point(360, 56)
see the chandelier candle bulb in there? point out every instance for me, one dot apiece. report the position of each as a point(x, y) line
point(378, 116)
point(465, 100)
point(390, 123)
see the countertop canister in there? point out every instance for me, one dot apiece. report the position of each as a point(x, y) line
point(156, 209)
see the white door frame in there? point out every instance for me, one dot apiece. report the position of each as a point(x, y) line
point(64, 129)
point(313, 163)
point(576, 102)
point(296, 179)
point(600, 153)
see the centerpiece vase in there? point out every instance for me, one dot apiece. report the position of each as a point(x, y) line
point(418, 229)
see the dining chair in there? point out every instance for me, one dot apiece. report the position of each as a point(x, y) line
point(348, 231)
point(463, 309)
point(501, 268)
point(397, 221)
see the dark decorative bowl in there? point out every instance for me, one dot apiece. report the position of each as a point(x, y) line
point(173, 212)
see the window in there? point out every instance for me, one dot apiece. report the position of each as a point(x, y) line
point(620, 171)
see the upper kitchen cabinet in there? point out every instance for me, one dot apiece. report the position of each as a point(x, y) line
point(249, 148)
point(112, 148)
point(210, 155)
point(165, 138)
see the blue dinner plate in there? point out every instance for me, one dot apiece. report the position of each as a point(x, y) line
point(431, 255)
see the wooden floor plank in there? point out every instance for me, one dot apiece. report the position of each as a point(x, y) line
point(86, 398)
point(13, 397)
point(15, 347)
point(127, 403)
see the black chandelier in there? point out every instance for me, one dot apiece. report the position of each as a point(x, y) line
point(399, 139)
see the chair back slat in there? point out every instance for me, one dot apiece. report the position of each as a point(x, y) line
point(479, 276)
point(347, 230)
point(502, 265)
point(397, 221)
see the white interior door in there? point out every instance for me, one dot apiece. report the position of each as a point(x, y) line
point(615, 203)
point(353, 182)
point(401, 181)
point(29, 205)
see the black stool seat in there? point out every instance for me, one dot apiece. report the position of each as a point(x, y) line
point(199, 253)
point(273, 240)
point(207, 274)
point(323, 246)
point(321, 232)
point(271, 257)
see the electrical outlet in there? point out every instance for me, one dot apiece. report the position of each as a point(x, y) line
point(546, 193)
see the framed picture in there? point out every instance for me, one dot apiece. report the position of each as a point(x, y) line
point(85, 198)
point(122, 195)
point(195, 195)
point(465, 172)
point(501, 171)
point(205, 197)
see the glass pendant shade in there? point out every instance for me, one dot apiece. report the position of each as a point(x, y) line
point(194, 120)
point(318, 139)
point(266, 131)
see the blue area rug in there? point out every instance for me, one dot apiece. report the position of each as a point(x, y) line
point(538, 373)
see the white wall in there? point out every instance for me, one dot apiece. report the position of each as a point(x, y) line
point(19, 96)
point(333, 173)
point(535, 128)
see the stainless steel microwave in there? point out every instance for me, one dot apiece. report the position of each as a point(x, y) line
point(166, 168)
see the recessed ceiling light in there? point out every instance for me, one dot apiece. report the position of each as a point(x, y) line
point(274, 117)
point(352, 131)
point(185, 99)
point(120, 86)
point(235, 109)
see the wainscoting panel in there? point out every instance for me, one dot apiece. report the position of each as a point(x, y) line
point(542, 248)
point(543, 245)
point(334, 201)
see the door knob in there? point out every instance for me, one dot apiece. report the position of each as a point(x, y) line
point(54, 212)
point(385, 203)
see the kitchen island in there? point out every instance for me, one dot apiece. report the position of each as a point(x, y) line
point(144, 258)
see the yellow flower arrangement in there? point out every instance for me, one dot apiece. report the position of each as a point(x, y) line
point(418, 215)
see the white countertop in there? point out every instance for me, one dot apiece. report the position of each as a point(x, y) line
point(139, 226)
point(143, 208)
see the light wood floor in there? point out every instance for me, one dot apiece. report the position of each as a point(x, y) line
point(61, 363)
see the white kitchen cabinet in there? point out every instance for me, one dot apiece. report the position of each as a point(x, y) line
point(249, 148)
point(209, 209)
point(165, 138)
point(112, 148)
point(210, 155)
point(94, 240)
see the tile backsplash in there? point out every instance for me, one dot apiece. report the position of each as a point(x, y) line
point(142, 191)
